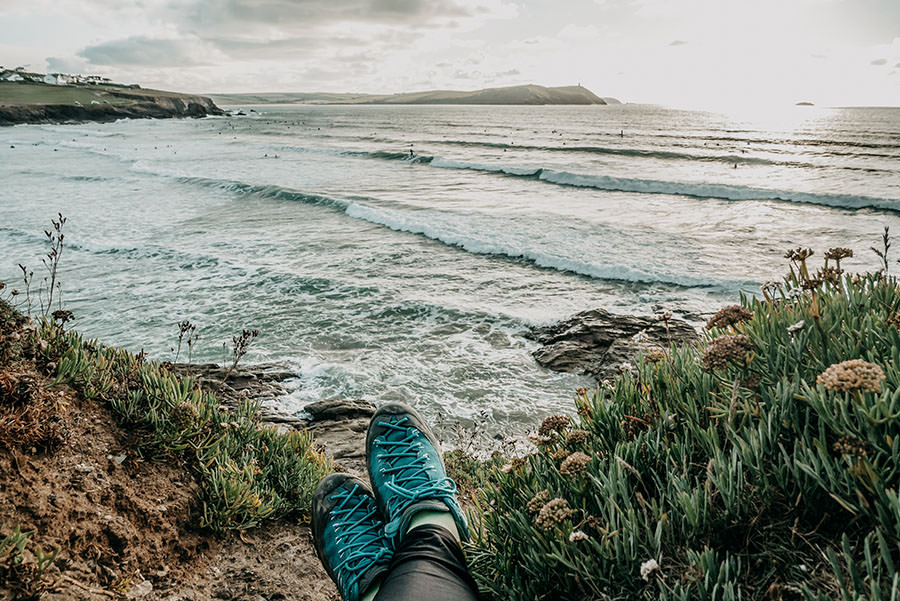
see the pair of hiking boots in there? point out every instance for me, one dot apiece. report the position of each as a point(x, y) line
point(355, 528)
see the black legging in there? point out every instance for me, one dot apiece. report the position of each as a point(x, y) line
point(428, 565)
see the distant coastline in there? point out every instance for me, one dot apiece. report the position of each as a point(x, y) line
point(31, 98)
point(513, 95)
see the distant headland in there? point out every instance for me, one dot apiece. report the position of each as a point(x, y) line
point(527, 94)
point(27, 97)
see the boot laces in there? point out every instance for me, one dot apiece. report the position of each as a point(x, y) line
point(359, 535)
point(407, 468)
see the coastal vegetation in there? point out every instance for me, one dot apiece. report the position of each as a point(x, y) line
point(761, 464)
point(758, 463)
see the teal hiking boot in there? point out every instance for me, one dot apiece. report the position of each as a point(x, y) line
point(349, 534)
point(406, 470)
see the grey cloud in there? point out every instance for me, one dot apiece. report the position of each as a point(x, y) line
point(144, 51)
point(677, 43)
point(879, 61)
point(235, 16)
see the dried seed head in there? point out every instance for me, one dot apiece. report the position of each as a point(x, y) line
point(553, 513)
point(560, 454)
point(751, 381)
point(577, 437)
point(655, 355)
point(811, 284)
point(798, 254)
point(838, 253)
point(539, 440)
point(537, 501)
point(554, 423)
point(184, 416)
point(729, 316)
point(725, 349)
point(832, 275)
point(594, 523)
point(512, 465)
point(847, 445)
point(855, 374)
point(575, 463)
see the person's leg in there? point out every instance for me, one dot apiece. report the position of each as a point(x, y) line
point(428, 566)
point(423, 520)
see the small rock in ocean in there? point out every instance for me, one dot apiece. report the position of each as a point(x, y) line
point(598, 343)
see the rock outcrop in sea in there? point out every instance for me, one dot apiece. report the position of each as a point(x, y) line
point(597, 342)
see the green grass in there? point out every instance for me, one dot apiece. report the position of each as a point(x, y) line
point(247, 473)
point(22, 93)
point(748, 479)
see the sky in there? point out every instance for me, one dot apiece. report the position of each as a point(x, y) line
point(688, 53)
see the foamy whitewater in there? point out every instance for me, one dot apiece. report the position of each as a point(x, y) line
point(382, 274)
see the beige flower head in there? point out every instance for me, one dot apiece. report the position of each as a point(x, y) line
point(729, 316)
point(575, 463)
point(724, 350)
point(512, 465)
point(184, 415)
point(554, 423)
point(838, 253)
point(855, 374)
point(798, 254)
point(577, 437)
point(537, 501)
point(553, 513)
point(560, 454)
point(847, 445)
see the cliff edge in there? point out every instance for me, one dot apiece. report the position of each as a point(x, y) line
point(42, 103)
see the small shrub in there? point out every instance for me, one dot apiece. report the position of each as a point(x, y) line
point(247, 473)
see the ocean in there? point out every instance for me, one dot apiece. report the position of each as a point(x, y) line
point(403, 252)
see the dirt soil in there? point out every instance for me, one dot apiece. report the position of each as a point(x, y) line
point(125, 525)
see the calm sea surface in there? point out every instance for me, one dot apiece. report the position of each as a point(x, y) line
point(386, 275)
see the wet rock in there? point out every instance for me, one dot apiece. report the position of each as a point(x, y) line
point(264, 381)
point(597, 342)
point(340, 428)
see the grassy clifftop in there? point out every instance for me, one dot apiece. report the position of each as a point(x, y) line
point(25, 102)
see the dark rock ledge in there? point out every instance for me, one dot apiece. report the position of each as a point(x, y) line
point(596, 342)
point(142, 107)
